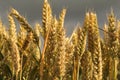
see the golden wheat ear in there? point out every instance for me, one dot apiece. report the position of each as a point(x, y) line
point(12, 29)
point(94, 46)
point(21, 19)
point(23, 22)
point(60, 55)
point(62, 18)
point(113, 46)
point(46, 17)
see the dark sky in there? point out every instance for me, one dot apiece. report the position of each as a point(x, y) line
point(76, 10)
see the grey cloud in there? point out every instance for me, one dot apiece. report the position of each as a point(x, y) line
point(76, 9)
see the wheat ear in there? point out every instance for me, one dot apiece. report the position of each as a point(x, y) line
point(94, 46)
point(113, 46)
point(46, 17)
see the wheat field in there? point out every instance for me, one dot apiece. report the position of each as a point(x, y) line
point(85, 55)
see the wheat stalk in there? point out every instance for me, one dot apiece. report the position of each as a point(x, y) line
point(42, 60)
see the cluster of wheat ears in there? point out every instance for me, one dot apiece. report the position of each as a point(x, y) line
point(82, 56)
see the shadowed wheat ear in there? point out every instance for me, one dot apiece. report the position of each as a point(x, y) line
point(3, 34)
point(105, 28)
point(118, 27)
point(21, 36)
point(118, 30)
point(15, 56)
point(69, 56)
point(86, 63)
point(3, 48)
point(105, 54)
point(94, 46)
point(3, 38)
